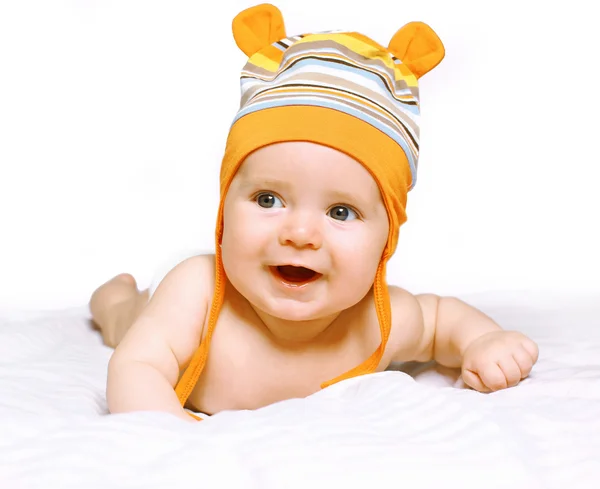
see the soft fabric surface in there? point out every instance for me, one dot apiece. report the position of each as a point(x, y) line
point(383, 430)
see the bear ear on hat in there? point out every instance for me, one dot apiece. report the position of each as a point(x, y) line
point(418, 47)
point(258, 27)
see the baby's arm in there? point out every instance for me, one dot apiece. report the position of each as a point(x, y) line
point(145, 366)
point(455, 334)
point(451, 325)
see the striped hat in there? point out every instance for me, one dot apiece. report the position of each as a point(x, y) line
point(339, 89)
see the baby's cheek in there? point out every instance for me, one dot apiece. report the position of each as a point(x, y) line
point(359, 257)
point(245, 237)
point(238, 224)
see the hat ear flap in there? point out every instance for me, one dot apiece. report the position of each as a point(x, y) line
point(258, 27)
point(418, 47)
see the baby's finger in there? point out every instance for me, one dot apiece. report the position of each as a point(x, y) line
point(472, 380)
point(511, 370)
point(531, 348)
point(493, 377)
point(524, 361)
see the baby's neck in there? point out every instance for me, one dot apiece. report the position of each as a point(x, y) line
point(295, 332)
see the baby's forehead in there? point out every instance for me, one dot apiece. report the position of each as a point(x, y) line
point(344, 180)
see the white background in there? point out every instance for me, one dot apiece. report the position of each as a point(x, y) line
point(114, 114)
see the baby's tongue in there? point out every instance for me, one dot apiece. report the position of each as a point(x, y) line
point(295, 274)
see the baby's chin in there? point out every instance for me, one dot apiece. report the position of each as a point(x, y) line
point(297, 311)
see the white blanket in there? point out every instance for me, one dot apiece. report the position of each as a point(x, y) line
point(384, 430)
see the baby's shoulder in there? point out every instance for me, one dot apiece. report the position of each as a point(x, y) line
point(175, 315)
point(201, 265)
point(190, 279)
point(404, 304)
point(407, 324)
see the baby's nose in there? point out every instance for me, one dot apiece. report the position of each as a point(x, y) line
point(301, 230)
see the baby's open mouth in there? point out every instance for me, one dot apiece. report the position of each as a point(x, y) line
point(295, 275)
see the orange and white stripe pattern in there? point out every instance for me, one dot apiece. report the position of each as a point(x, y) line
point(343, 71)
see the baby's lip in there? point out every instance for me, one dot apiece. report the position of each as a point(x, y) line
point(295, 274)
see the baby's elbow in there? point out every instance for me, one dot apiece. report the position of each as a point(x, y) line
point(116, 362)
point(114, 381)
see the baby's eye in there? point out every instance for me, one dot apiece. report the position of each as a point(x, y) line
point(342, 213)
point(268, 201)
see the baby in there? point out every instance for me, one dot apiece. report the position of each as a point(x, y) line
point(314, 182)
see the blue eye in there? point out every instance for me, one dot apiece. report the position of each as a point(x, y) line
point(342, 213)
point(268, 201)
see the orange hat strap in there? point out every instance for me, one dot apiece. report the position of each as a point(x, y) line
point(382, 306)
point(194, 369)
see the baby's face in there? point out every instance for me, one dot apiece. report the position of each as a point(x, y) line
point(304, 230)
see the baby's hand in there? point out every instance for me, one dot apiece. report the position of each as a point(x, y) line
point(498, 360)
